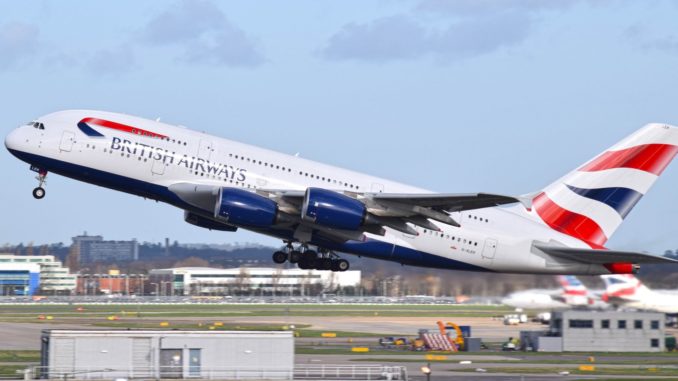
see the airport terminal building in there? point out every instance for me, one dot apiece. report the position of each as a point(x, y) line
point(211, 281)
point(51, 277)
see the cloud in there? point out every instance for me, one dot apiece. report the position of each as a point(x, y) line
point(204, 34)
point(112, 61)
point(489, 7)
point(639, 37)
point(402, 37)
point(18, 43)
point(396, 37)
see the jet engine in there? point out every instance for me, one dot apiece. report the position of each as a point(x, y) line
point(333, 210)
point(241, 207)
point(207, 223)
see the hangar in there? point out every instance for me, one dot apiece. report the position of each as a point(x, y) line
point(163, 354)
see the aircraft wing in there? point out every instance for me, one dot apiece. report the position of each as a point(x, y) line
point(446, 202)
point(595, 256)
point(394, 210)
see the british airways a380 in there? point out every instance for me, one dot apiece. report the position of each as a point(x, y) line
point(319, 210)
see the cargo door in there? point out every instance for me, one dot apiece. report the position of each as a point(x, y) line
point(489, 249)
point(158, 167)
point(67, 139)
point(205, 149)
point(141, 358)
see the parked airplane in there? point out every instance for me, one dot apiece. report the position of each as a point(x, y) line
point(318, 210)
point(625, 290)
point(573, 293)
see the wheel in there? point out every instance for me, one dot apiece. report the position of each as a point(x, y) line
point(325, 264)
point(309, 259)
point(39, 193)
point(343, 265)
point(279, 257)
point(295, 256)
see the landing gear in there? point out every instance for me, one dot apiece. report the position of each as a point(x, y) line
point(39, 192)
point(279, 257)
point(308, 259)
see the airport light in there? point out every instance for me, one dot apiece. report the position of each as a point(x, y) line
point(426, 369)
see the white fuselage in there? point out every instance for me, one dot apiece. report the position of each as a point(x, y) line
point(493, 239)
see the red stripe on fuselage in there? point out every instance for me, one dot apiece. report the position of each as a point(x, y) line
point(576, 292)
point(653, 158)
point(122, 127)
point(569, 223)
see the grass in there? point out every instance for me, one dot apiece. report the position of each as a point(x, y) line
point(626, 371)
point(210, 310)
point(19, 356)
point(7, 371)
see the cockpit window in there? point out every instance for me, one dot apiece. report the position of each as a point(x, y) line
point(37, 125)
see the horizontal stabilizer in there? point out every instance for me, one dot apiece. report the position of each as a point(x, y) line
point(600, 257)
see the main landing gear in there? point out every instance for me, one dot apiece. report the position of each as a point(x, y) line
point(308, 259)
point(39, 192)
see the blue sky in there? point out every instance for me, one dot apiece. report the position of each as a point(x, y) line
point(454, 96)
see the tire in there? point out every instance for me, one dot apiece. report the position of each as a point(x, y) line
point(38, 193)
point(343, 265)
point(279, 257)
point(325, 264)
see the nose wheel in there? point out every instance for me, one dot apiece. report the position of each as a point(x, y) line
point(39, 192)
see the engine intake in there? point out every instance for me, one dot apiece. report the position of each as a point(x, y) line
point(207, 223)
point(240, 207)
point(332, 209)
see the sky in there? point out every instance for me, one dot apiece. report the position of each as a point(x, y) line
point(499, 96)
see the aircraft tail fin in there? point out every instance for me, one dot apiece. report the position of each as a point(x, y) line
point(591, 202)
point(623, 286)
point(574, 291)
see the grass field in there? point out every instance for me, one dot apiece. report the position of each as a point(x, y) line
point(10, 312)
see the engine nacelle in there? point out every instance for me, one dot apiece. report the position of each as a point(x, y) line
point(332, 209)
point(622, 268)
point(240, 207)
point(207, 223)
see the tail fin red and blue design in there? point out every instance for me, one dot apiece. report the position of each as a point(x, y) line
point(591, 202)
point(623, 286)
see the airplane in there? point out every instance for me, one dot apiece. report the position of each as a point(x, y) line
point(573, 293)
point(625, 290)
point(318, 210)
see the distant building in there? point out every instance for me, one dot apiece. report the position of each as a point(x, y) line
point(111, 283)
point(206, 281)
point(95, 249)
point(53, 278)
point(156, 354)
point(19, 279)
point(599, 331)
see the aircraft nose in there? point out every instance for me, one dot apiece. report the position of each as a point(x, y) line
point(12, 140)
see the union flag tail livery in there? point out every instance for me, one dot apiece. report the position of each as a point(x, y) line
point(320, 211)
point(625, 290)
point(623, 287)
point(591, 202)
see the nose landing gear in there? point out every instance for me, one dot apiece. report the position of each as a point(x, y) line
point(39, 192)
